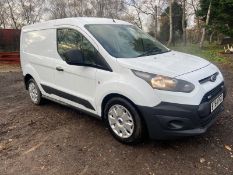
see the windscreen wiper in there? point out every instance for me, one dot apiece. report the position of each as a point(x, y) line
point(151, 51)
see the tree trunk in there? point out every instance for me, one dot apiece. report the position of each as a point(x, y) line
point(211, 37)
point(170, 23)
point(204, 29)
point(12, 15)
point(195, 8)
point(198, 30)
point(219, 40)
point(82, 9)
point(139, 19)
point(4, 23)
point(156, 21)
point(183, 22)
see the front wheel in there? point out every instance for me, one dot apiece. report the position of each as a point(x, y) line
point(123, 121)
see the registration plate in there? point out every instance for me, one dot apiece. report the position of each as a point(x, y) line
point(216, 102)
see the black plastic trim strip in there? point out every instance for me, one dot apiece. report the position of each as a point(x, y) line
point(73, 107)
point(67, 96)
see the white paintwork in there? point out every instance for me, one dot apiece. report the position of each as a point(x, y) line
point(169, 64)
point(39, 58)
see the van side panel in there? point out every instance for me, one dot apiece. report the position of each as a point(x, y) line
point(41, 42)
point(38, 51)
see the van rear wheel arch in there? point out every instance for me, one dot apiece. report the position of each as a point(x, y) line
point(27, 77)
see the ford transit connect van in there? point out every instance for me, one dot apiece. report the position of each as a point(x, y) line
point(113, 70)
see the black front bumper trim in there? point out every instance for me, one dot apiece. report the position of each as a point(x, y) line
point(170, 120)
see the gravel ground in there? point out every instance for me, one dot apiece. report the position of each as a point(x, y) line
point(53, 139)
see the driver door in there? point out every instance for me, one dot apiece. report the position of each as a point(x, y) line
point(76, 84)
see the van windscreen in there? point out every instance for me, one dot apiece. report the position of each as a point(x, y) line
point(125, 41)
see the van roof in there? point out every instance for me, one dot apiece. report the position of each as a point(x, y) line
point(78, 21)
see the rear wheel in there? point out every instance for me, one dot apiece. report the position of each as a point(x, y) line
point(123, 121)
point(34, 92)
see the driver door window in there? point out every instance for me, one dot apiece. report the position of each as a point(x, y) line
point(68, 42)
point(71, 43)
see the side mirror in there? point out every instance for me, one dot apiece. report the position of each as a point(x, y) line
point(74, 57)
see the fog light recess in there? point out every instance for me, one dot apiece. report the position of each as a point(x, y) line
point(175, 124)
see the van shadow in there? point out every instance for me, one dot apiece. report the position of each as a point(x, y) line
point(175, 144)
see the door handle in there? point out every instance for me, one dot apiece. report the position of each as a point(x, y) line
point(59, 69)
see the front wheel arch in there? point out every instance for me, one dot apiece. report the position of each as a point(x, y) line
point(113, 95)
point(110, 96)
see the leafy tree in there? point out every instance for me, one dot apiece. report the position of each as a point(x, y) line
point(221, 17)
point(177, 23)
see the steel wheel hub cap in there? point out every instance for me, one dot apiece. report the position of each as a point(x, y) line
point(121, 121)
point(33, 92)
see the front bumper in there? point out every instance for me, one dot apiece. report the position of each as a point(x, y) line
point(169, 120)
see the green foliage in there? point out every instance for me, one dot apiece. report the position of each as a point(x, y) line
point(221, 16)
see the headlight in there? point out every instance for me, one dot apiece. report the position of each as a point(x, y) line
point(165, 83)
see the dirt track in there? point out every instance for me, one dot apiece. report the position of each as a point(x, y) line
point(53, 139)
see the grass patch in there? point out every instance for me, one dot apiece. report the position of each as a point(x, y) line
point(211, 53)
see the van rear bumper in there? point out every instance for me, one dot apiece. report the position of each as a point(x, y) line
point(169, 120)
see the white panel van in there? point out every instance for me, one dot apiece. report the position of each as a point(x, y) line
point(113, 70)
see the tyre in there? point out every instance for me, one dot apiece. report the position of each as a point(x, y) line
point(34, 92)
point(123, 121)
